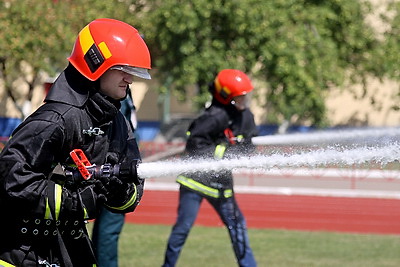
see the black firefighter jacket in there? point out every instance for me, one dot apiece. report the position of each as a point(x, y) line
point(208, 140)
point(36, 208)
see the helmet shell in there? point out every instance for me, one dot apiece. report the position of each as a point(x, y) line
point(104, 43)
point(230, 83)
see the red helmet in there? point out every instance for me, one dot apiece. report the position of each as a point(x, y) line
point(230, 83)
point(105, 43)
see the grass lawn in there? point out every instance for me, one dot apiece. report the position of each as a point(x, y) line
point(144, 245)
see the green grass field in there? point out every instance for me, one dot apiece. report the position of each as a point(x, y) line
point(144, 245)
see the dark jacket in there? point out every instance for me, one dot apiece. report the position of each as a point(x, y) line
point(208, 140)
point(34, 196)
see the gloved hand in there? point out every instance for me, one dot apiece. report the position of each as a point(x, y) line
point(125, 171)
point(82, 201)
point(118, 192)
point(70, 202)
point(237, 145)
point(112, 184)
point(101, 191)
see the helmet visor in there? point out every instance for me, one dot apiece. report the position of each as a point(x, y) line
point(139, 72)
point(241, 102)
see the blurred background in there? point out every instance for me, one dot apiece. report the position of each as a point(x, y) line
point(316, 65)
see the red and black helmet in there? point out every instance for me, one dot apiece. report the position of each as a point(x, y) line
point(106, 43)
point(230, 83)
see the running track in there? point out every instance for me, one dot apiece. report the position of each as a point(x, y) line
point(292, 212)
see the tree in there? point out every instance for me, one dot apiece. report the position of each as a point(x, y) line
point(392, 40)
point(38, 36)
point(26, 42)
point(299, 48)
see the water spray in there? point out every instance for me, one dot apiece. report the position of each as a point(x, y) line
point(330, 137)
point(336, 155)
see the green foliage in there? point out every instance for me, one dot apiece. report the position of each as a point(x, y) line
point(392, 37)
point(42, 34)
point(30, 38)
point(300, 48)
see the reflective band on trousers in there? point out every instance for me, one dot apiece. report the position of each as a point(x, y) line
point(5, 264)
point(199, 187)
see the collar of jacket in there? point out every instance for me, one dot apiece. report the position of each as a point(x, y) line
point(230, 109)
point(100, 109)
point(72, 88)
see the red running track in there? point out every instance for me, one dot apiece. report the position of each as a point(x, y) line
point(311, 213)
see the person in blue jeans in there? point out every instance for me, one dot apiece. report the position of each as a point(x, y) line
point(106, 231)
point(223, 130)
point(108, 225)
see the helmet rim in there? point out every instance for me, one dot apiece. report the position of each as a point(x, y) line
point(105, 43)
point(230, 83)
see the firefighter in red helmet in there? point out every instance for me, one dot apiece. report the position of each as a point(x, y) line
point(44, 197)
point(223, 130)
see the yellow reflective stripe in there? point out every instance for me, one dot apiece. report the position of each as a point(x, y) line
point(219, 88)
point(196, 186)
point(85, 39)
point(199, 187)
point(85, 214)
point(47, 214)
point(128, 204)
point(219, 151)
point(5, 264)
point(58, 195)
point(104, 50)
point(228, 193)
point(57, 203)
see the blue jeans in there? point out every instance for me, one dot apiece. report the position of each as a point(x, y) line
point(230, 214)
point(106, 230)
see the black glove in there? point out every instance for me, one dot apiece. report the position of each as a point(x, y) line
point(83, 201)
point(101, 190)
point(70, 201)
point(118, 192)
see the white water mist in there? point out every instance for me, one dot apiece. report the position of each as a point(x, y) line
point(338, 155)
point(372, 136)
